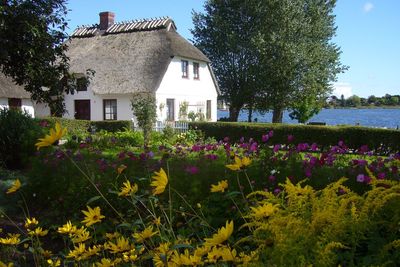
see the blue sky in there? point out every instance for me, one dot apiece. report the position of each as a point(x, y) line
point(368, 34)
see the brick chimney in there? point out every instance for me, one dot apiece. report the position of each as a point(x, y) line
point(106, 20)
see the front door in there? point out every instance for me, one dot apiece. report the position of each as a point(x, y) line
point(82, 109)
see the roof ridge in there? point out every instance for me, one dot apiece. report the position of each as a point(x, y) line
point(144, 24)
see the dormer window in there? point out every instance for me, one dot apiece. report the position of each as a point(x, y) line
point(185, 69)
point(196, 74)
point(81, 84)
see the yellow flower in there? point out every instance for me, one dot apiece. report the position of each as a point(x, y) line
point(80, 235)
point(54, 263)
point(112, 235)
point(46, 253)
point(121, 245)
point(55, 134)
point(221, 236)
point(121, 168)
point(38, 232)
point(129, 256)
point(14, 188)
point(128, 189)
point(107, 263)
point(30, 222)
point(92, 216)
point(78, 253)
point(263, 211)
point(12, 239)
point(91, 251)
point(239, 163)
point(157, 221)
point(145, 234)
point(2, 264)
point(220, 187)
point(160, 181)
point(67, 228)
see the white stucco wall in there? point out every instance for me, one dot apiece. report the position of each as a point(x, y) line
point(41, 110)
point(195, 92)
point(124, 111)
point(26, 104)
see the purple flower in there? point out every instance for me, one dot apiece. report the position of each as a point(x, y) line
point(308, 172)
point(271, 133)
point(276, 148)
point(226, 139)
point(241, 139)
point(253, 147)
point(364, 149)
point(290, 138)
point(340, 143)
point(381, 176)
point(314, 147)
point(265, 138)
point(211, 156)
point(192, 170)
point(361, 178)
point(121, 155)
point(277, 191)
point(272, 178)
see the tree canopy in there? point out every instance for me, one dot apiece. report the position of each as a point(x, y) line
point(32, 47)
point(285, 58)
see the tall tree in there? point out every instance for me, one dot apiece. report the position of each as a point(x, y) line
point(32, 48)
point(297, 54)
point(224, 33)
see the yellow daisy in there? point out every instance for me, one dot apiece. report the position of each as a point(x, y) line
point(160, 181)
point(145, 234)
point(128, 189)
point(14, 188)
point(221, 236)
point(220, 187)
point(56, 134)
point(92, 216)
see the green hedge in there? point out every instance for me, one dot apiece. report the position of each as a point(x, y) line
point(80, 127)
point(353, 136)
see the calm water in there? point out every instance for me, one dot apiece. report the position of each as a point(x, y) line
point(389, 118)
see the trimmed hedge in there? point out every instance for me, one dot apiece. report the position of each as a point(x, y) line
point(354, 137)
point(80, 127)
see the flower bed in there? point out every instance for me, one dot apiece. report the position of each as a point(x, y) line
point(205, 203)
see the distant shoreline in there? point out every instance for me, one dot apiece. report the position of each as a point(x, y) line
point(367, 107)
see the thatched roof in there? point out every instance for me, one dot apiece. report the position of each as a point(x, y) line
point(128, 57)
point(8, 88)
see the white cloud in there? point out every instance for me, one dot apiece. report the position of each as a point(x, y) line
point(341, 88)
point(368, 7)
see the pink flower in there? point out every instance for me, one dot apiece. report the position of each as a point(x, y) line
point(361, 178)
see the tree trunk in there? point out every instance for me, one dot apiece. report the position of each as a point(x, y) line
point(233, 113)
point(277, 115)
point(249, 118)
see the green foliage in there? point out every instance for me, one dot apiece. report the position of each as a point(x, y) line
point(330, 227)
point(291, 40)
point(18, 134)
point(81, 128)
point(145, 110)
point(382, 140)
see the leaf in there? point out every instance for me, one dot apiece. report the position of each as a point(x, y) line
point(93, 199)
point(178, 246)
point(124, 225)
point(233, 193)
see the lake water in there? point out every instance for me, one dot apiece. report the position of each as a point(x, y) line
point(388, 118)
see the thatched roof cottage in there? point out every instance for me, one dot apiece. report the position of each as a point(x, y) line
point(139, 56)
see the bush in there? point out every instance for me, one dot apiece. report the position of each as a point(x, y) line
point(81, 127)
point(354, 137)
point(18, 134)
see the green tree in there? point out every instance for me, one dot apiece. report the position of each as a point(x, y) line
point(145, 110)
point(372, 99)
point(353, 101)
point(224, 33)
point(32, 48)
point(297, 55)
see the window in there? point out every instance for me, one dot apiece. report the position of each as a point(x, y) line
point(185, 69)
point(110, 109)
point(81, 84)
point(170, 109)
point(196, 75)
point(208, 112)
point(15, 103)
